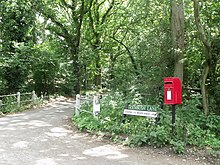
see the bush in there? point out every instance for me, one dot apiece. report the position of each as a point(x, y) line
point(192, 127)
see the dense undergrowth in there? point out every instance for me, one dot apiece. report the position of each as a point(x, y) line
point(192, 127)
point(10, 106)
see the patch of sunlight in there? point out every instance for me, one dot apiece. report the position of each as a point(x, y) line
point(55, 134)
point(3, 122)
point(79, 158)
point(2, 150)
point(35, 123)
point(58, 132)
point(44, 140)
point(108, 151)
point(63, 155)
point(16, 121)
point(60, 111)
point(7, 129)
point(21, 144)
point(47, 161)
point(16, 115)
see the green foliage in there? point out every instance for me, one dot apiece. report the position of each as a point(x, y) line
point(44, 46)
point(9, 106)
point(192, 127)
point(178, 146)
point(14, 70)
point(16, 22)
point(86, 122)
point(44, 68)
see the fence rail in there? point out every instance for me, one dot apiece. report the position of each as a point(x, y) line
point(88, 100)
point(17, 99)
point(8, 95)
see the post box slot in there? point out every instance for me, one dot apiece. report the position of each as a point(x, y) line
point(168, 82)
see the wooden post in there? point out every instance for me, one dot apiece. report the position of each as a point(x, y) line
point(77, 106)
point(42, 96)
point(96, 106)
point(0, 104)
point(33, 97)
point(18, 99)
point(1, 113)
point(87, 98)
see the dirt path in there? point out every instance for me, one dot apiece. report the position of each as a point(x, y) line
point(43, 137)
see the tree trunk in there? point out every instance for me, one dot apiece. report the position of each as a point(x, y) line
point(206, 70)
point(204, 90)
point(111, 66)
point(98, 74)
point(85, 83)
point(76, 68)
point(207, 49)
point(177, 26)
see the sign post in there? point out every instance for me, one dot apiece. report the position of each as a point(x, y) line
point(96, 106)
point(173, 117)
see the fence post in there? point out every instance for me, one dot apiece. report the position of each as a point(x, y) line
point(1, 114)
point(77, 106)
point(33, 97)
point(87, 98)
point(42, 96)
point(18, 99)
point(96, 106)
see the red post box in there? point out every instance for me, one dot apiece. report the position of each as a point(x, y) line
point(172, 91)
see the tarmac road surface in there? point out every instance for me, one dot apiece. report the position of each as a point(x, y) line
point(43, 137)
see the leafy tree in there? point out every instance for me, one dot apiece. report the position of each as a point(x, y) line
point(66, 19)
point(207, 37)
point(45, 69)
point(16, 23)
point(97, 18)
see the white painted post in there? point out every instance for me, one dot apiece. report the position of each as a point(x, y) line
point(18, 99)
point(33, 97)
point(1, 114)
point(77, 106)
point(96, 106)
point(42, 96)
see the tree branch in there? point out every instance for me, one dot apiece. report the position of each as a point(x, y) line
point(91, 22)
point(60, 25)
point(67, 5)
point(107, 12)
point(199, 26)
point(130, 55)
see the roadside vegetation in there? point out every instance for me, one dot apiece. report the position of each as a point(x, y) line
point(192, 130)
point(123, 48)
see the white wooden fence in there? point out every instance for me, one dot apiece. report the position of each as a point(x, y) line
point(94, 100)
point(15, 99)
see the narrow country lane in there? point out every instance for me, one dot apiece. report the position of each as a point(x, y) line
point(43, 137)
